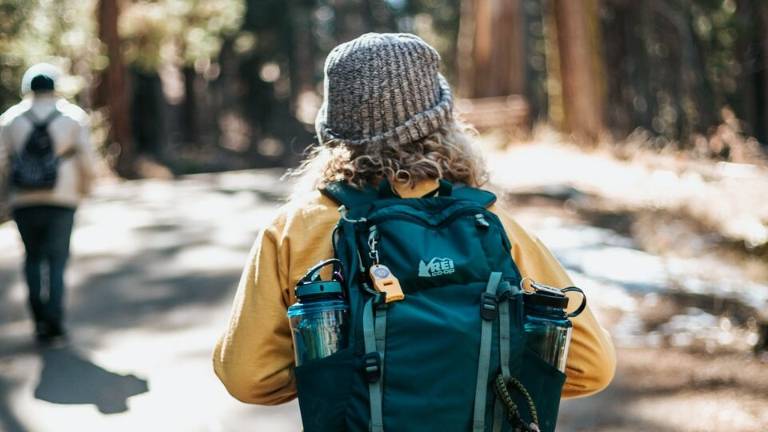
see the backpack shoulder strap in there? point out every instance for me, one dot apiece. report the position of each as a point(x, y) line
point(52, 116)
point(480, 196)
point(36, 122)
point(31, 117)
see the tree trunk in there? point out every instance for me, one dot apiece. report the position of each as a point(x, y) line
point(622, 24)
point(147, 109)
point(703, 94)
point(553, 76)
point(580, 68)
point(189, 109)
point(509, 49)
point(761, 37)
point(380, 16)
point(492, 51)
point(112, 90)
point(302, 58)
point(350, 19)
point(535, 53)
point(465, 48)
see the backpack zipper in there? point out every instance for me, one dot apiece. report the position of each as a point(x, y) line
point(477, 213)
point(482, 213)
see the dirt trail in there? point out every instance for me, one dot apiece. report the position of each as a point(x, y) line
point(685, 307)
point(680, 369)
point(154, 270)
point(668, 390)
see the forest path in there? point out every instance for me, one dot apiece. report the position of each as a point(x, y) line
point(154, 269)
point(151, 282)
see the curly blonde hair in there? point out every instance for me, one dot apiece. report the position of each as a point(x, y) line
point(447, 154)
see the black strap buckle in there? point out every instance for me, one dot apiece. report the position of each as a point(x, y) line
point(505, 293)
point(372, 366)
point(380, 300)
point(489, 306)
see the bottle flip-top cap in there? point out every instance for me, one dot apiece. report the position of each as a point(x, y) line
point(319, 288)
point(540, 298)
point(547, 296)
point(312, 286)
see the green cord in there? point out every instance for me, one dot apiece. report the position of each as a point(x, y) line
point(502, 391)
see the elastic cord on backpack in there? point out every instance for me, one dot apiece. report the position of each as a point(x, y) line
point(513, 413)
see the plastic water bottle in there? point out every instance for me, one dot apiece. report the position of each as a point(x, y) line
point(320, 315)
point(547, 325)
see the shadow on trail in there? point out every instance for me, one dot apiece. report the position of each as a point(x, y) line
point(170, 269)
point(143, 291)
point(69, 378)
point(8, 420)
point(9, 310)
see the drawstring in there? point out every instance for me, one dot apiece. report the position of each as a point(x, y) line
point(343, 212)
point(513, 413)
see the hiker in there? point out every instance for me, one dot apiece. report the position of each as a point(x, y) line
point(46, 151)
point(387, 119)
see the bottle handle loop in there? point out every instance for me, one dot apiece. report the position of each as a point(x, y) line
point(313, 274)
point(583, 304)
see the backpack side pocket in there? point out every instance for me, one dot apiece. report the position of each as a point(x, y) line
point(324, 387)
point(544, 383)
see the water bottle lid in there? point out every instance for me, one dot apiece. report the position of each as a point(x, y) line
point(312, 286)
point(318, 289)
point(540, 298)
point(539, 294)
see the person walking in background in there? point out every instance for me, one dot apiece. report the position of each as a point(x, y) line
point(46, 150)
point(387, 117)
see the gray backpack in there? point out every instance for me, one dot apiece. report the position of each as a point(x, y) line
point(37, 165)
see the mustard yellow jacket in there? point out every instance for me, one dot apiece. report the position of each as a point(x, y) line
point(254, 357)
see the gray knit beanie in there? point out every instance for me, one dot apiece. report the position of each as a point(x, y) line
point(385, 89)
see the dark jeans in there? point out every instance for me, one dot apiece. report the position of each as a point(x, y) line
point(45, 231)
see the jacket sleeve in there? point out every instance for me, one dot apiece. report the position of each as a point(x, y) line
point(591, 358)
point(254, 357)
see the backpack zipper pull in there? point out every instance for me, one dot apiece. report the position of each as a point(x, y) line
point(381, 276)
point(385, 282)
point(373, 241)
point(480, 221)
point(343, 211)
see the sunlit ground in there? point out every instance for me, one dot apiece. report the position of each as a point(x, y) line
point(153, 277)
point(156, 262)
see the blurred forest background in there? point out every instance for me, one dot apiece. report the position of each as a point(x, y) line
point(195, 85)
point(628, 135)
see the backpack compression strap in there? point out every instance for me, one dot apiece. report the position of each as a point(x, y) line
point(489, 313)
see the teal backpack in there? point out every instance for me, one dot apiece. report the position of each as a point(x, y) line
point(451, 355)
